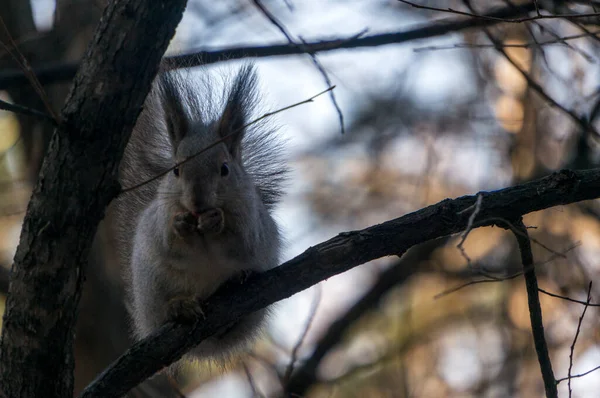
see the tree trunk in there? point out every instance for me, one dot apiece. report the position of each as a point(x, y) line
point(76, 183)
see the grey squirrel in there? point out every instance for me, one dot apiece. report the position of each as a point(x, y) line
point(208, 220)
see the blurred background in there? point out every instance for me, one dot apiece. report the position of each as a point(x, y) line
point(424, 120)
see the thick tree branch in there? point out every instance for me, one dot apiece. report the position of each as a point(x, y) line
point(535, 309)
point(76, 183)
point(65, 71)
point(335, 256)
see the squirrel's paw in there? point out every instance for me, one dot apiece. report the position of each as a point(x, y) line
point(184, 310)
point(211, 221)
point(185, 224)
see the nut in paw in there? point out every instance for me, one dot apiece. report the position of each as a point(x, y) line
point(211, 221)
point(185, 224)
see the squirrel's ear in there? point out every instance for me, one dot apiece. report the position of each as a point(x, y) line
point(172, 102)
point(240, 102)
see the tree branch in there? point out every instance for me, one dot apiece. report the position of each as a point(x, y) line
point(535, 309)
point(333, 257)
point(76, 183)
point(64, 71)
point(515, 20)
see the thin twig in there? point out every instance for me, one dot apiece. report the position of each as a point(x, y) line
point(509, 20)
point(515, 230)
point(312, 55)
point(328, 82)
point(572, 300)
point(535, 311)
point(578, 375)
point(233, 133)
point(13, 50)
point(22, 110)
point(463, 238)
point(476, 282)
point(513, 45)
point(492, 278)
point(572, 351)
point(311, 317)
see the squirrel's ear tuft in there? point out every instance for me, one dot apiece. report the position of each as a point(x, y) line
point(173, 105)
point(239, 106)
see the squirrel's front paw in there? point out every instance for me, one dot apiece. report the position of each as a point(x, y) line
point(185, 224)
point(184, 310)
point(211, 221)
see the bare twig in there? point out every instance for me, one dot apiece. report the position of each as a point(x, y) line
point(463, 238)
point(503, 45)
point(311, 317)
point(535, 311)
point(492, 278)
point(274, 20)
point(509, 20)
point(578, 375)
point(588, 304)
point(22, 110)
point(13, 50)
point(233, 133)
point(572, 351)
point(516, 230)
point(313, 57)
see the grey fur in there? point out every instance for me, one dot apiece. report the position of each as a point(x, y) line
point(178, 121)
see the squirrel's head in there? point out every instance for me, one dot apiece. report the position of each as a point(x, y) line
point(212, 173)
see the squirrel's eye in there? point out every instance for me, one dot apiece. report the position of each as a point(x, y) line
point(176, 171)
point(224, 170)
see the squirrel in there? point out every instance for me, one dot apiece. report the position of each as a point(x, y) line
point(209, 219)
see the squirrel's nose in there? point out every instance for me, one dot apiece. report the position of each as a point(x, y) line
point(200, 205)
point(199, 208)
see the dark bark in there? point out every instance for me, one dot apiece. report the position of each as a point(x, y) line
point(333, 257)
point(76, 183)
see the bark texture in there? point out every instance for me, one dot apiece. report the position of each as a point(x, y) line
point(76, 183)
